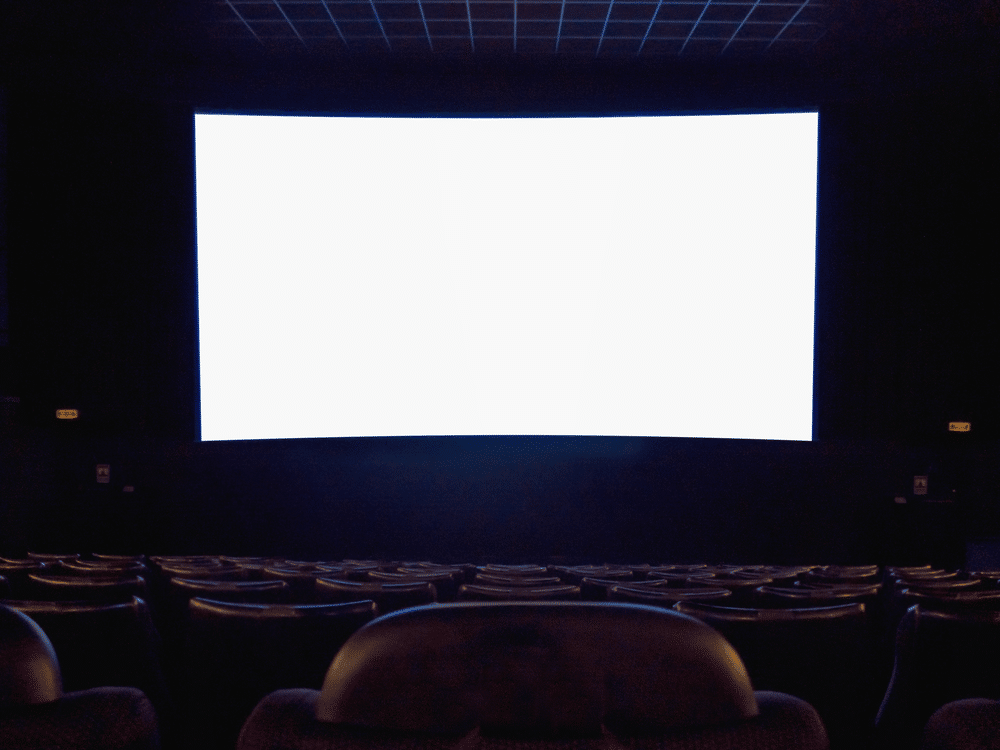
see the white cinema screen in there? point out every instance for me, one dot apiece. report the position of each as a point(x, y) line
point(394, 276)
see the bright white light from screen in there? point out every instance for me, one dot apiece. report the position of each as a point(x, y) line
point(642, 276)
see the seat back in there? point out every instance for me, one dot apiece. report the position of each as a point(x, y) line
point(575, 574)
point(596, 589)
point(818, 595)
point(528, 569)
point(821, 654)
point(963, 724)
point(534, 676)
point(101, 644)
point(53, 557)
point(292, 644)
point(664, 596)
point(101, 567)
point(173, 622)
point(301, 581)
point(388, 596)
point(29, 669)
point(16, 572)
point(446, 582)
point(237, 653)
point(92, 587)
point(536, 667)
point(35, 714)
point(940, 657)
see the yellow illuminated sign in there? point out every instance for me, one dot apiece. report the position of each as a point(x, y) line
point(959, 426)
point(67, 413)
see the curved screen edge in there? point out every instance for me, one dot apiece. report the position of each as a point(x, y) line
point(614, 276)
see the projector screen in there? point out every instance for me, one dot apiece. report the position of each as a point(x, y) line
point(633, 276)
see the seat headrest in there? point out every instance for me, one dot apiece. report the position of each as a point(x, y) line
point(536, 668)
point(29, 670)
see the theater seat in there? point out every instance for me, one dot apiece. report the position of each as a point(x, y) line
point(30, 669)
point(388, 596)
point(182, 590)
point(969, 724)
point(824, 655)
point(664, 596)
point(90, 588)
point(99, 644)
point(534, 675)
point(446, 582)
point(35, 714)
point(16, 572)
point(235, 654)
point(940, 657)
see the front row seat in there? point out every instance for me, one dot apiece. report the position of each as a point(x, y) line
point(531, 676)
point(35, 713)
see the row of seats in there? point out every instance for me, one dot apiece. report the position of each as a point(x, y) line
point(829, 655)
point(50, 574)
point(535, 675)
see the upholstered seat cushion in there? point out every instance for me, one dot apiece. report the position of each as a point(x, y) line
point(286, 720)
point(113, 718)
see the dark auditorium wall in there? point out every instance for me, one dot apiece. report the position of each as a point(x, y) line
point(102, 318)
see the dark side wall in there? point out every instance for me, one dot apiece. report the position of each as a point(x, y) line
point(102, 318)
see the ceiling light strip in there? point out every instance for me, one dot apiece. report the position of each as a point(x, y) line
point(742, 24)
point(427, 31)
point(378, 20)
point(335, 24)
point(695, 26)
point(515, 25)
point(562, 15)
point(245, 23)
point(788, 23)
point(289, 22)
point(604, 29)
point(468, 14)
point(649, 28)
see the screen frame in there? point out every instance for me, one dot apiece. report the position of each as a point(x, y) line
point(812, 110)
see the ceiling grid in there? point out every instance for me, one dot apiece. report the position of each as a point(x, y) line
point(606, 28)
